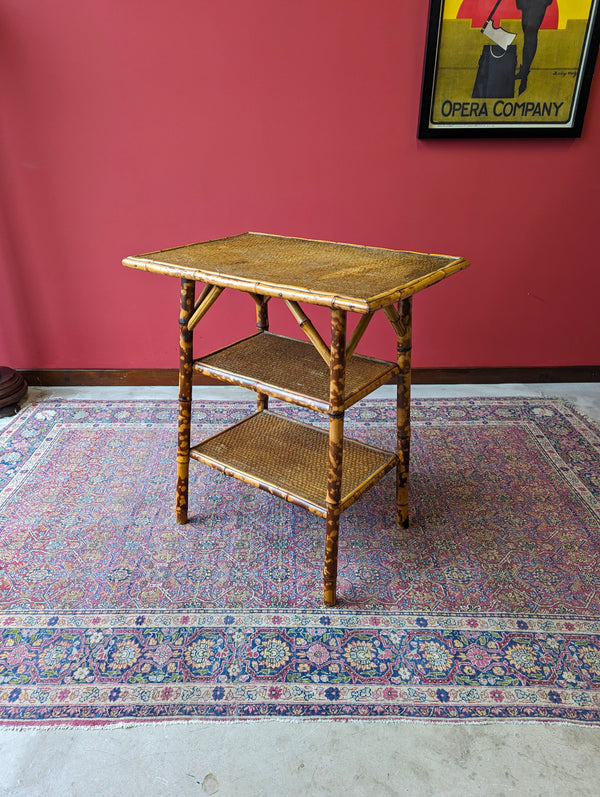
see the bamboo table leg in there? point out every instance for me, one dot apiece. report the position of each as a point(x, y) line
point(185, 398)
point(404, 332)
point(262, 324)
point(337, 369)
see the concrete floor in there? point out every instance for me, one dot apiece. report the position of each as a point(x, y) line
point(312, 757)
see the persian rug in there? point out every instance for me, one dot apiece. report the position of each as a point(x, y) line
point(487, 608)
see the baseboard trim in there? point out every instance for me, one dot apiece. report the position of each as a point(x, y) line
point(420, 376)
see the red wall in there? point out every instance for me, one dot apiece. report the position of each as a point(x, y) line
point(133, 125)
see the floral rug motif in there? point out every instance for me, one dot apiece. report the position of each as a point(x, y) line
point(488, 607)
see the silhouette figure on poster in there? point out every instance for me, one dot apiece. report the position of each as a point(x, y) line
point(532, 16)
point(497, 70)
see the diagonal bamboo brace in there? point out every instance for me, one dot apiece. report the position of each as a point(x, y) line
point(396, 320)
point(205, 291)
point(359, 331)
point(205, 302)
point(309, 330)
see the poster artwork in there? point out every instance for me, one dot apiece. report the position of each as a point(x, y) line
point(507, 63)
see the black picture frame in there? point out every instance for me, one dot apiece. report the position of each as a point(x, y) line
point(463, 65)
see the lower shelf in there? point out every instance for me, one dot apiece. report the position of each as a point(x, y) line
point(290, 459)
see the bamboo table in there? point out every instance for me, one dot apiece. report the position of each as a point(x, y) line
point(322, 472)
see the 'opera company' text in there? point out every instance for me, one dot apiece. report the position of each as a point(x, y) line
point(501, 109)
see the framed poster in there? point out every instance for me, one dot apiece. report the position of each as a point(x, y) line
point(508, 67)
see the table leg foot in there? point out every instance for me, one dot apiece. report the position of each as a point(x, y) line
point(181, 493)
point(329, 596)
point(402, 474)
point(181, 508)
point(331, 558)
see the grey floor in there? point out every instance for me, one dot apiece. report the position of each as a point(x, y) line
point(313, 757)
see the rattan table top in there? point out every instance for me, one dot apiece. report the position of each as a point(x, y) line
point(358, 278)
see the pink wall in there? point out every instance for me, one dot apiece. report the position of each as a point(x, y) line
point(133, 125)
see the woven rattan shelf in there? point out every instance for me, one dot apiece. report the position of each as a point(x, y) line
point(290, 460)
point(292, 370)
point(319, 470)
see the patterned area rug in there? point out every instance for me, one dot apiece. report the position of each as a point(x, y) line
point(488, 607)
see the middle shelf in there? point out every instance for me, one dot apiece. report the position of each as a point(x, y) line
point(292, 370)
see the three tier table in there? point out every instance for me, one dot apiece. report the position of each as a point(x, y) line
point(320, 470)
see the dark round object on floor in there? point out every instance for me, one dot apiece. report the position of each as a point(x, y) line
point(13, 389)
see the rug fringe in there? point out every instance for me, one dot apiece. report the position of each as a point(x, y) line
point(296, 721)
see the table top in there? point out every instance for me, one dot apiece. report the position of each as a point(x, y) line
point(359, 278)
